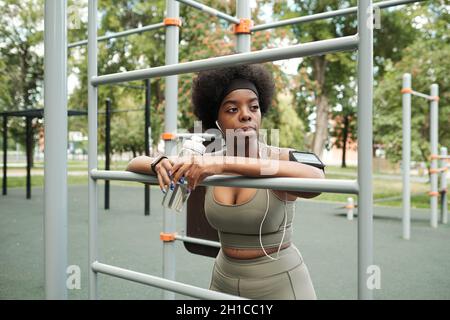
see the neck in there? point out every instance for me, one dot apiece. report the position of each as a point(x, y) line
point(249, 149)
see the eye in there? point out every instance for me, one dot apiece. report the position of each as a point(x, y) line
point(232, 109)
point(255, 107)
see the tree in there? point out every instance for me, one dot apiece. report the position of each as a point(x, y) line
point(21, 56)
point(201, 36)
point(323, 79)
point(427, 62)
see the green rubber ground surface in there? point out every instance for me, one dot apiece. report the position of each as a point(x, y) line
point(414, 269)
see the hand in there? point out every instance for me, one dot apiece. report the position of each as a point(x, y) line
point(195, 169)
point(164, 172)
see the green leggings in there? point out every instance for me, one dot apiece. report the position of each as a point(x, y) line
point(262, 278)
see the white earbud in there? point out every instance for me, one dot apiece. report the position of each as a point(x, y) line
point(217, 124)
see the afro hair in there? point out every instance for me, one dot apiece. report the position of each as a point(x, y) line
point(208, 88)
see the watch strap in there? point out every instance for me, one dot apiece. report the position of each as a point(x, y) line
point(156, 161)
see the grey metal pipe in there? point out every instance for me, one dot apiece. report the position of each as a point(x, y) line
point(327, 15)
point(300, 50)
point(206, 136)
point(278, 183)
point(422, 95)
point(210, 10)
point(161, 283)
point(170, 125)
point(434, 124)
point(365, 132)
point(92, 147)
point(406, 157)
point(55, 164)
point(119, 34)
point(5, 154)
point(243, 40)
point(443, 164)
point(198, 241)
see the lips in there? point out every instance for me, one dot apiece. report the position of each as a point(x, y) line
point(246, 128)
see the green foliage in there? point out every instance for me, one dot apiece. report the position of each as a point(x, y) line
point(428, 63)
point(413, 38)
point(201, 37)
point(21, 60)
point(284, 118)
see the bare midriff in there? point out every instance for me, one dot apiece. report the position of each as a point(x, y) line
point(240, 253)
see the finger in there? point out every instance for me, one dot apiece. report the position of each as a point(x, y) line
point(191, 177)
point(198, 179)
point(161, 183)
point(176, 167)
point(165, 177)
point(181, 172)
point(168, 166)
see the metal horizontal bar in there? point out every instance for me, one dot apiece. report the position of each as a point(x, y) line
point(210, 10)
point(327, 15)
point(119, 34)
point(198, 241)
point(162, 283)
point(206, 136)
point(278, 183)
point(300, 50)
point(422, 95)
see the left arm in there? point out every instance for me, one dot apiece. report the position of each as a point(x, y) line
point(196, 171)
point(276, 168)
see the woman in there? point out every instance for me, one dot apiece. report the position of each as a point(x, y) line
point(257, 259)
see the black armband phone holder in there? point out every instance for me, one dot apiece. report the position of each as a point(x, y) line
point(307, 158)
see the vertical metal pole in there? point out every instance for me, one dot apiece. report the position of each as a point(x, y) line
point(243, 41)
point(28, 134)
point(5, 153)
point(147, 142)
point(55, 163)
point(107, 147)
point(444, 209)
point(406, 156)
point(365, 199)
point(170, 125)
point(92, 150)
point(350, 208)
point(434, 92)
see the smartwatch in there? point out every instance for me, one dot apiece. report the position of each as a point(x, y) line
point(308, 158)
point(156, 161)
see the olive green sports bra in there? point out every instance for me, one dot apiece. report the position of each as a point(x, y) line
point(239, 225)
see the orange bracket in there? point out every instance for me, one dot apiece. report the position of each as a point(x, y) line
point(244, 26)
point(406, 90)
point(433, 194)
point(435, 98)
point(167, 237)
point(172, 22)
point(168, 136)
point(350, 207)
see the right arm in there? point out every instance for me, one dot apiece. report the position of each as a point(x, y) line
point(142, 164)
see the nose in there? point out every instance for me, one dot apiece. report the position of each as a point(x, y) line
point(245, 115)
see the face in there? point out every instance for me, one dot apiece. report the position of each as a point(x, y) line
point(239, 111)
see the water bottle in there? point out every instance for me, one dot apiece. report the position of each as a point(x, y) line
point(178, 194)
